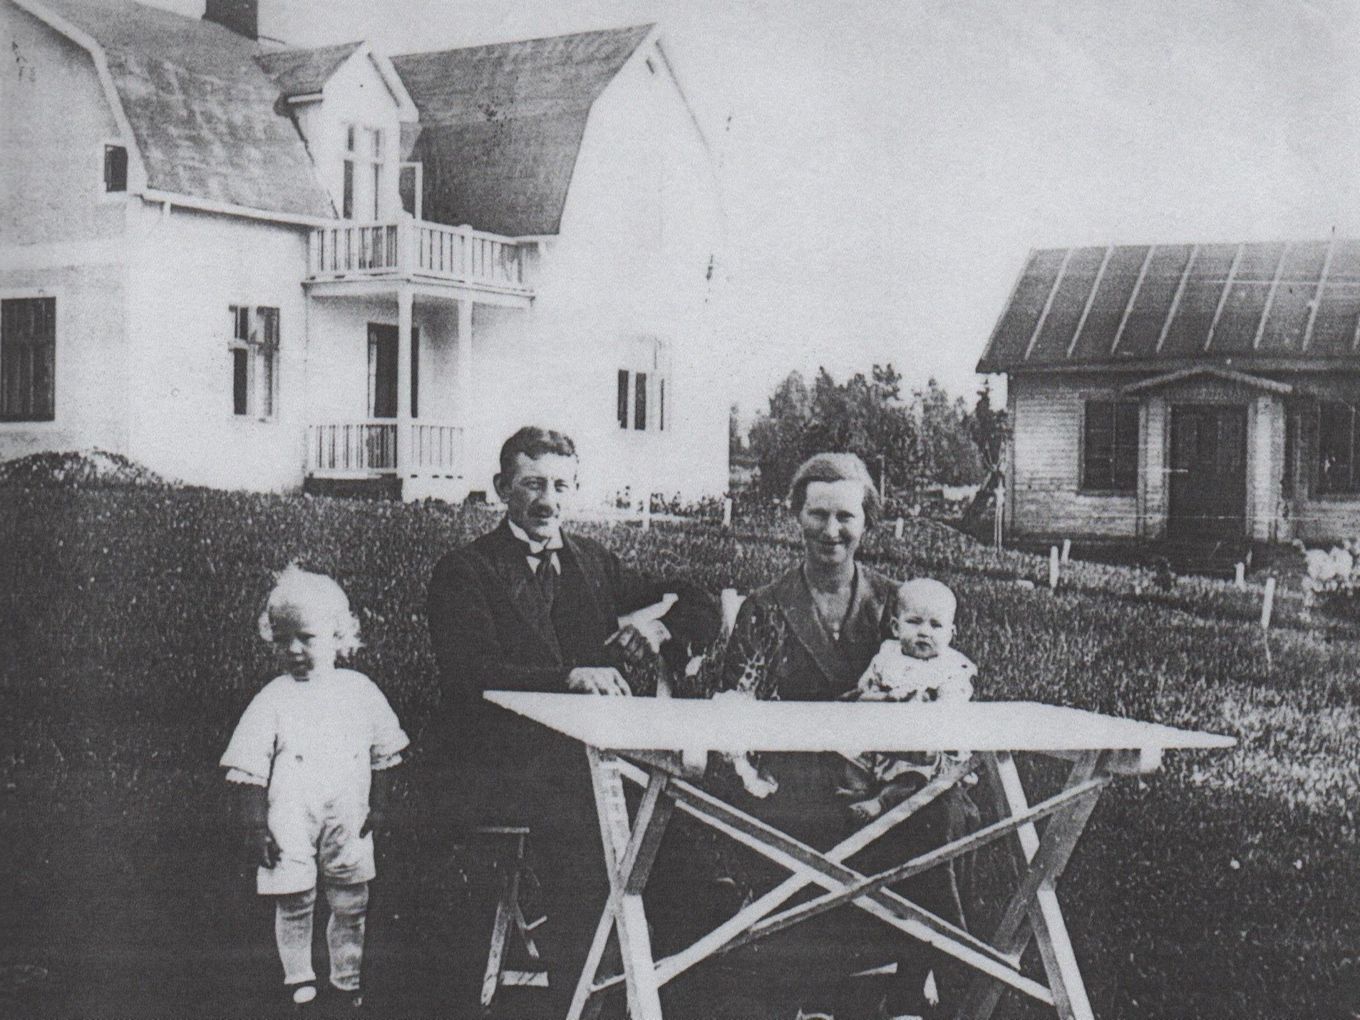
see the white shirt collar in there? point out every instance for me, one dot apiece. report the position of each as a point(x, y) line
point(536, 547)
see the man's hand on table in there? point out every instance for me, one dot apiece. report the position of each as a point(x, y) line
point(598, 680)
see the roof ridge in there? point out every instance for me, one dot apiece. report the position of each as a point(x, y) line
point(645, 26)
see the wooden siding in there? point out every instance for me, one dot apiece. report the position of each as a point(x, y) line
point(1045, 497)
point(1046, 472)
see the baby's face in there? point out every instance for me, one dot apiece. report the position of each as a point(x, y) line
point(924, 625)
point(304, 639)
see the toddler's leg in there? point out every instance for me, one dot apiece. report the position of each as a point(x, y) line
point(345, 932)
point(293, 932)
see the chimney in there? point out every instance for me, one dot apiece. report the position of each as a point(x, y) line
point(241, 16)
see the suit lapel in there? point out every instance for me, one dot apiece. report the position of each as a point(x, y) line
point(508, 561)
point(795, 601)
point(594, 580)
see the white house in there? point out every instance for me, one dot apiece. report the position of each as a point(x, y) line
point(260, 267)
point(1204, 393)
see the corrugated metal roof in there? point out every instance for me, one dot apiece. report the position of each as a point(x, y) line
point(202, 110)
point(299, 72)
point(502, 124)
point(1160, 306)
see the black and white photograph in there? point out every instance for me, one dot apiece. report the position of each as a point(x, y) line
point(680, 509)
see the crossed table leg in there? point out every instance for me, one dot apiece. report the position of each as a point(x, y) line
point(630, 848)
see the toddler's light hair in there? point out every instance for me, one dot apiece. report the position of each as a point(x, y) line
point(295, 588)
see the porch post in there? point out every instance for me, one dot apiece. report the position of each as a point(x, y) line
point(404, 303)
point(464, 415)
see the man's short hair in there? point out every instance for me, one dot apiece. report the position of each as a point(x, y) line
point(533, 442)
point(834, 467)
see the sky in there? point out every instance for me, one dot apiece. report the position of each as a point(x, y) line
point(887, 166)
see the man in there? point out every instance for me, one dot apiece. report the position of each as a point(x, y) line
point(530, 607)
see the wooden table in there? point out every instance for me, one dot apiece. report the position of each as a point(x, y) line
point(660, 744)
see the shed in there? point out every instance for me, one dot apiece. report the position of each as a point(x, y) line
point(1194, 392)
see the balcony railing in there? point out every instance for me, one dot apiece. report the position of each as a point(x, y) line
point(370, 447)
point(415, 248)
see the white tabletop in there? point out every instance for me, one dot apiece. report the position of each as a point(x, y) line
point(740, 724)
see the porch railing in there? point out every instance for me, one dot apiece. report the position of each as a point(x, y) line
point(349, 250)
point(370, 447)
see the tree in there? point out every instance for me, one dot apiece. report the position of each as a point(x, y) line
point(989, 428)
point(948, 453)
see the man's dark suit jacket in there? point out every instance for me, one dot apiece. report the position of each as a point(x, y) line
point(492, 630)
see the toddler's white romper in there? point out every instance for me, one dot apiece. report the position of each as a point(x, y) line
point(315, 744)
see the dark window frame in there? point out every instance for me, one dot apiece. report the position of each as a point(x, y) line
point(28, 356)
point(1109, 458)
point(1337, 438)
point(115, 169)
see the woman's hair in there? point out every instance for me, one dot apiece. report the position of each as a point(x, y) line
point(834, 467)
point(295, 588)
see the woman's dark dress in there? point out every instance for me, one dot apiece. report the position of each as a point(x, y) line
point(780, 649)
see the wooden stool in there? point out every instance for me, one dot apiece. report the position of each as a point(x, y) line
point(509, 916)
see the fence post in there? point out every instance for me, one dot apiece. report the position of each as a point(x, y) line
point(1000, 509)
point(727, 512)
point(647, 511)
point(1241, 577)
point(1053, 569)
point(1268, 605)
point(1067, 550)
point(897, 529)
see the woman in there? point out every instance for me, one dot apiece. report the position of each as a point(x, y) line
point(809, 636)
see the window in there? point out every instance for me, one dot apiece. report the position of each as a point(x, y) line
point(1338, 471)
point(28, 340)
point(1109, 460)
point(363, 180)
point(254, 352)
point(641, 392)
point(115, 168)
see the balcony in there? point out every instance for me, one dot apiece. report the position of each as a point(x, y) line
point(371, 447)
point(416, 250)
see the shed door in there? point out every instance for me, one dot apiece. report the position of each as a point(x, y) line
point(1208, 472)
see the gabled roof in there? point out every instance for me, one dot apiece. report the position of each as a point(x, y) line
point(304, 72)
point(501, 125)
point(1162, 307)
point(202, 111)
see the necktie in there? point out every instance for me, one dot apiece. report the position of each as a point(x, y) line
point(546, 577)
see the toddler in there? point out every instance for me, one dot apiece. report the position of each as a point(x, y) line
point(309, 759)
point(917, 664)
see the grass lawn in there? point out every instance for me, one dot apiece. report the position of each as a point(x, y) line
point(1226, 885)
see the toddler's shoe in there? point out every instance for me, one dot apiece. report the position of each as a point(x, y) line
point(302, 997)
point(341, 1002)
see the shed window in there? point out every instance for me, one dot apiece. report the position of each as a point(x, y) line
point(1338, 471)
point(115, 168)
point(28, 339)
point(1109, 460)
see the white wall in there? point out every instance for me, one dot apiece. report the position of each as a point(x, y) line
point(54, 121)
point(186, 270)
point(641, 223)
point(356, 94)
point(60, 234)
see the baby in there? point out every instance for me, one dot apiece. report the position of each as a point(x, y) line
point(918, 664)
point(310, 760)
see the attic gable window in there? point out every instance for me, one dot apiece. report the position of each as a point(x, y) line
point(361, 194)
point(1109, 451)
point(1338, 471)
point(115, 168)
